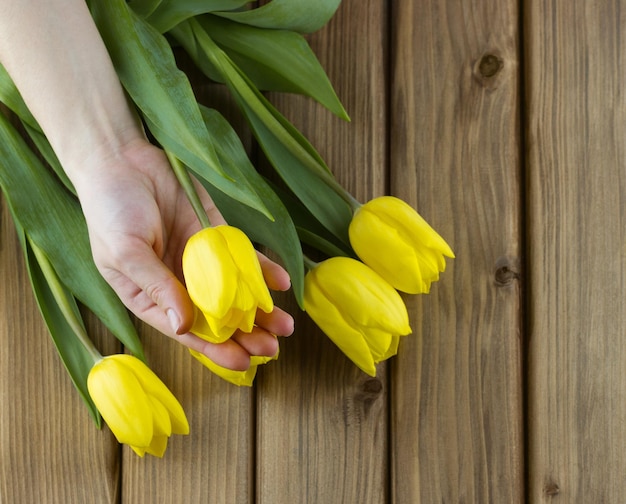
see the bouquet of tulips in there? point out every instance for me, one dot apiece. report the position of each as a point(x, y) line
point(352, 295)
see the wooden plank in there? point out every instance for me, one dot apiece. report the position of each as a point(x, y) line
point(322, 424)
point(577, 220)
point(50, 449)
point(456, 425)
point(215, 462)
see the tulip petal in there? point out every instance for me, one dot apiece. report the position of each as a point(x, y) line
point(158, 446)
point(125, 408)
point(250, 269)
point(330, 320)
point(201, 328)
point(153, 386)
point(239, 378)
point(162, 425)
point(363, 294)
point(210, 272)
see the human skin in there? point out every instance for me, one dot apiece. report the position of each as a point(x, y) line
point(138, 216)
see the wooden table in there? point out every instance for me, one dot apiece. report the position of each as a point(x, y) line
point(504, 123)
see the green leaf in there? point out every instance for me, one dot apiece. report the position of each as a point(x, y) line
point(309, 229)
point(52, 218)
point(171, 12)
point(291, 155)
point(77, 360)
point(274, 60)
point(146, 67)
point(279, 235)
point(303, 16)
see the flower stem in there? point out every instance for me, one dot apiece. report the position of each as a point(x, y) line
point(192, 195)
point(64, 303)
point(309, 263)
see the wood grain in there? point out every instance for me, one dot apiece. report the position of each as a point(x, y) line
point(577, 240)
point(457, 415)
point(322, 424)
point(50, 449)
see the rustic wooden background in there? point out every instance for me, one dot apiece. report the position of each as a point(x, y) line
point(504, 123)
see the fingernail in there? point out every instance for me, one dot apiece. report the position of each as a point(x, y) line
point(174, 320)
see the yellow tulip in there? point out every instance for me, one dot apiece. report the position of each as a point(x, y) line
point(357, 309)
point(395, 241)
point(239, 378)
point(225, 282)
point(137, 406)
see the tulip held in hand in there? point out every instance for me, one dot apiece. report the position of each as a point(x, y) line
point(138, 408)
point(225, 282)
point(357, 309)
point(395, 241)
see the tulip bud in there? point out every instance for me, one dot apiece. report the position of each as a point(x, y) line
point(357, 309)
point(395, 241)
point(137, 406)
point(225, 282)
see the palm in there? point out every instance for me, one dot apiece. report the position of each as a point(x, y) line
point(139, 221)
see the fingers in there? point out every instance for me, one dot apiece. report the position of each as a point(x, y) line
point(151, 291)
point(278, 322)
point(274, 274)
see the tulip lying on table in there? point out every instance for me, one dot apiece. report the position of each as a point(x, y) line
point(137, 406)
point(395, 241)
point(357, 309)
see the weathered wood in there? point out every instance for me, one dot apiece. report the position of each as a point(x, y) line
point(456, 426)
point(322, 424)
point(50, 449)
point(576, 62)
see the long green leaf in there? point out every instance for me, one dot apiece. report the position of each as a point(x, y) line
point(279, 235)
point(171, 12)
point(146, 67)
point(52, 218)
point(77, 360)
point(274, 60)
point(291, 155)
point(303, 16)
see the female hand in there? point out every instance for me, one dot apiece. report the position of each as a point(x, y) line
point(139, 221)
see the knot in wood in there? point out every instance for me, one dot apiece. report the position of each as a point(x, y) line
point(551, 489)
point(506, 272)
point(372, 386)
point(489, 65)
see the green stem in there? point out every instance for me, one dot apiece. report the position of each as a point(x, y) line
point(238, 82)
point(60, 296)
point(192, 195)
point(309, 263)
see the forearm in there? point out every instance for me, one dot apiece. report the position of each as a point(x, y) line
point(54, 53)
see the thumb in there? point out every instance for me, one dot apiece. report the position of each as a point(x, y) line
point(151, 291)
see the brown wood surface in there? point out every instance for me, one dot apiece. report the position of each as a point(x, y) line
point(457, 390)
point(576, 62)
point(503, 123)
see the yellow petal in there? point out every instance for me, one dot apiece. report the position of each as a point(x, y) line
point(161, 418)
point(239, 378)
point(158, 446)
point(153, 386)
point(210, 272)
point(120, 398)
point(330, 320)
point(251, 274)
point(202, 329)
point(362, 295)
